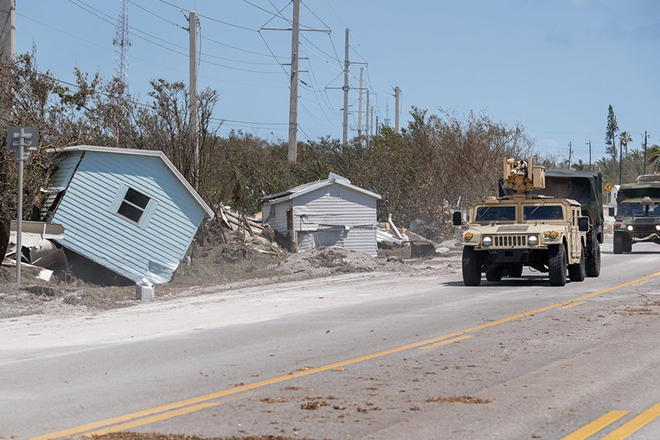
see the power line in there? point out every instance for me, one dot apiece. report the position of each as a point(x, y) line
point(133, 57)
point(172, 44)
point(156, 15)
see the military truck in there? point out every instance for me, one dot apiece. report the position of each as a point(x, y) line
point(525, 227)
point(638, 213)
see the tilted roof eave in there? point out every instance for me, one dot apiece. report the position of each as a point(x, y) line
point(309, 187)
point(152, 153)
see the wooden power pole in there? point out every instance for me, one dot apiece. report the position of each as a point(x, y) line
point(293, 97)
point(194, 121)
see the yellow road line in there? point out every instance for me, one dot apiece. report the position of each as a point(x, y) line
point(156, 418)
point(568, 306)
point(635, 424)
point(196, 400)
point(448, 341)
point(595, 426)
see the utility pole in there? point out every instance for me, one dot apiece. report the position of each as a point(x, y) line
point(194, 121)
point(293, 97)
point(570, 154)
point(366, 128)
point(377, 126)
point(589, 143)
point(360, 105)
point(397, 108)
point(387, 110)
point(345, 88)
point(8, 30)
point(620, 158)
point(372, 121)
point(645, 142)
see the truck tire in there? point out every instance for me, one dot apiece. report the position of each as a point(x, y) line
point(557, 264)
point(516, 270)
point(495, 274)
point(577, 272)
point(471, 267)
point(627, 244)
point(593, 262)
point(618, 243)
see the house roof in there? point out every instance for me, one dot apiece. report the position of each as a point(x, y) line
point(312, 186)
point(152, 153)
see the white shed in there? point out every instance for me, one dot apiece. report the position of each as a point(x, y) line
point(330, 212)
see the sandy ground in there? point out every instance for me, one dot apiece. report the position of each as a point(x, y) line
point(306, 281)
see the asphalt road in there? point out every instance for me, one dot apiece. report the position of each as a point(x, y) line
point(406, 357)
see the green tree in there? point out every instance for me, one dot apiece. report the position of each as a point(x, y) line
point(610, 133)
point(653, 157)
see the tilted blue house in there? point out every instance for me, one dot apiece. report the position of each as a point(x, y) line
point(130, 211)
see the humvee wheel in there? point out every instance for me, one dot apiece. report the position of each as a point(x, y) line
point(593, 262)
point(471, 267)
point(495, 274)
point(627, 244)
point(618, 243)
point(577, 272)
point(515, 271)
point(557, 264)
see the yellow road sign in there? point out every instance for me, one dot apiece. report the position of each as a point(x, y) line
point(608, 186)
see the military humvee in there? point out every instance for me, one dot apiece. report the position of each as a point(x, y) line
point(524, 228)
point(638, 213)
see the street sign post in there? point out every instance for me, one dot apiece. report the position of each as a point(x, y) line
point(22, 140)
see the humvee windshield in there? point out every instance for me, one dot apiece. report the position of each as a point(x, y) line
point(543, 212)
point(638, 210)
point(496, 213)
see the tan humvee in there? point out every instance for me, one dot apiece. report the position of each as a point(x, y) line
point(504, 234)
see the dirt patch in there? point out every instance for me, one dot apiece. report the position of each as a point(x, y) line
point(636, 312)
point(335, 260)
point(155, 436)
point(458, 399)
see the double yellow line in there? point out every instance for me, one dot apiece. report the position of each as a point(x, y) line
point(175, 409)
point(624, 431)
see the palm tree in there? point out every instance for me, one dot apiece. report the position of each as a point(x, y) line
point(624, 138)
point(653, 156)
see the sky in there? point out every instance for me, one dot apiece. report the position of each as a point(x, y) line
point(552, 67)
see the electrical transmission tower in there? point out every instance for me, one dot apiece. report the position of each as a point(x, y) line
point(122, 43)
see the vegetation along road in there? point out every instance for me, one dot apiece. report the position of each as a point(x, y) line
point(385, 356)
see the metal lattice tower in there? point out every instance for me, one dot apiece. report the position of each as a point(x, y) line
point(122, 43)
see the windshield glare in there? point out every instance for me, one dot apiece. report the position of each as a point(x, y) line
point(496, 213)
point(549, 212)
point(638, 210)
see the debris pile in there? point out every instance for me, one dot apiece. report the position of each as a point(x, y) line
point(249, 231)
point(337, 260)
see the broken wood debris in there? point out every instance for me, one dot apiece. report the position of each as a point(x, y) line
point(251, 232)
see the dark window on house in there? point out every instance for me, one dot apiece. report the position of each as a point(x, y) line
point(133, 205)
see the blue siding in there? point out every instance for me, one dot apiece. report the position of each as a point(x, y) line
point(152, 250)
point(60, 179)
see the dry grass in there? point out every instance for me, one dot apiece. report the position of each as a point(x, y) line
point(637, 312)
point(156, 436)
point(458, 399)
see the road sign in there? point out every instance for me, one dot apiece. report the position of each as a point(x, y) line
point(22, 140)
point(608, 186)
point(27, 137)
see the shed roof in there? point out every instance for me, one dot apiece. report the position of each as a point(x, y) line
point(312, 186)
point(153, 153)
